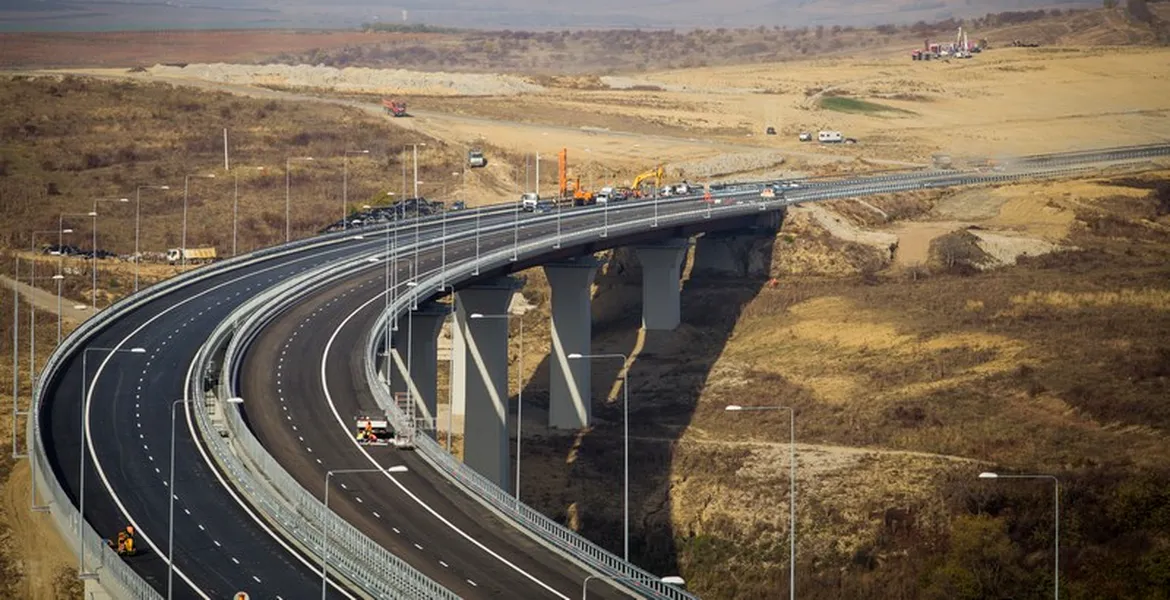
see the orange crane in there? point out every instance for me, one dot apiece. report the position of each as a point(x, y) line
point(571, 189)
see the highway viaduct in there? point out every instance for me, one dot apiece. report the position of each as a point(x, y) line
point(124, 401)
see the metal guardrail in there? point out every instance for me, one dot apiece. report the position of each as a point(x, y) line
point(270, 488)
point(117, 576)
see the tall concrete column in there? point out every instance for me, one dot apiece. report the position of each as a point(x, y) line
point(485, 378)
point(416, 342)
point(661, 269)
point(572, 326)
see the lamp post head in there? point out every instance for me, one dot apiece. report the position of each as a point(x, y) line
point(80, 306)
point(575, 355)
point(235, 400)
point(58, 277)
point(66, 231)
point(411, 283)
point(476, 315)
point(91, 213)
point(123, 199)
point(674, 580)
point(138, 350)
point(397, 469)
point(164, 187)
point(988, 475)
point(733, 407)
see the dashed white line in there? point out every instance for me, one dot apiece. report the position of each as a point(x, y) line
point(445, 565)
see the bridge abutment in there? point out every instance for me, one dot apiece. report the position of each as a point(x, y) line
point(481, 381)
point(661, 270)
point(570, 388)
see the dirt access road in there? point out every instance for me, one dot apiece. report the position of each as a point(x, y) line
point(604, 145)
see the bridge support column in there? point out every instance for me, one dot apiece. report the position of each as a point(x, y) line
point(483, 378)
point(661, 269)
point(417, 348)
point(572, 324)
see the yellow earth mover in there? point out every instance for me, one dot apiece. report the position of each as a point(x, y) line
point(653, 176)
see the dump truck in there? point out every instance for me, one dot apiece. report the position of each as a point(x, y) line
point(191, 255)
point(396, 108)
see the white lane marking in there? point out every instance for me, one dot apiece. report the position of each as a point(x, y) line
point(345, 428)
point(377, 515)
point(257, 579)
point(473, 584)
point(417, 546)
point(445, 565)
point(358, 498)
point(235, 560)
point(395, 530)
point(96, 462)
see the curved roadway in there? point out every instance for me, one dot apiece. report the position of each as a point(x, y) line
point(221, 545)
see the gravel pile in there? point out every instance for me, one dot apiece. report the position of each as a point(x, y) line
point(727, 164)
point(355, 79)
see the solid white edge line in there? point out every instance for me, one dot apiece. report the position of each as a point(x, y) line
point(101, 471)
point(344, 427)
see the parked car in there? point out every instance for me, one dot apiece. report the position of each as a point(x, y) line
point(805, 136)
point(770, 131)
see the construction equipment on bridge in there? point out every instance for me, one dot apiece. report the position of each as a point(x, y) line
point(124, 545)
point(191, 255)
point(394, 107)
point(656, 174)
point(372, 431)
point(475, 158)
point(571, 190)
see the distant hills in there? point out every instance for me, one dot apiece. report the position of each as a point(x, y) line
point(114, 15)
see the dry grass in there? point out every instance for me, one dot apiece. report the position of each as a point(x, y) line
point(73, 140)
point(904, 390)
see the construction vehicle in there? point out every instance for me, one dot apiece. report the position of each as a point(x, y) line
point(529, 201)
point(372, 431)
point(191, 255)
point(124, 545)
point(571, 190)
point(396, 108)
point(475, 158)
point(653, 176)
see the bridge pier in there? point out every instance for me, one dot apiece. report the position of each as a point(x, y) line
point(661, 269)
point(570, 388)
point(480, 355)
point(418, 333)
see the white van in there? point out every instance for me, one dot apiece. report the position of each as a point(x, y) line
point(602, 196)
point(829, 137)
point(528, 201)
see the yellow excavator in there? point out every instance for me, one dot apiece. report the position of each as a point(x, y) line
point(657, 174)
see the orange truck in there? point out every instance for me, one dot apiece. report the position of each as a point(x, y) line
point(394, 107)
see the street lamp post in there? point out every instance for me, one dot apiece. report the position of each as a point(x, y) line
point(1055, 520)
point(443, 260)
point(32, 351)
point(791, 487)
point(417, 207)
point(451, 369)
point(345, 187)
point(86, 391)
point(625, 437)
point(137, 221)
point(61, 231)
point(60, 240)
point(287, 194)
point(173, 494)
point(519, 386)
point(671, 579)
point(183, 243)
point(236, 204)
point(93, 213)
point(325, 520)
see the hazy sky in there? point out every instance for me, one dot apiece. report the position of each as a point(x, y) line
point(105, 15)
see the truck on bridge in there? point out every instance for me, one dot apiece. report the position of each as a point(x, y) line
point(191, 255)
